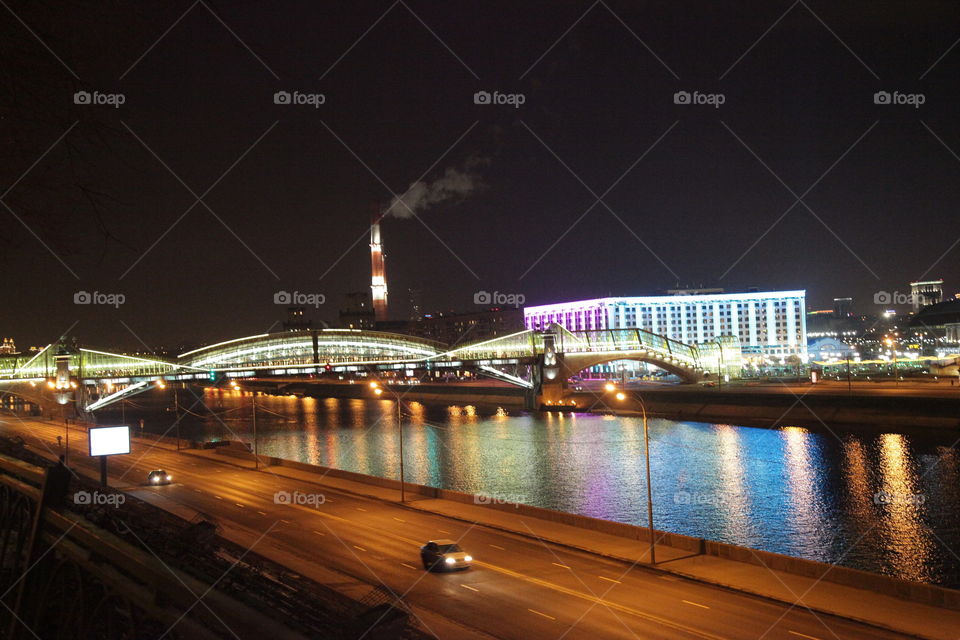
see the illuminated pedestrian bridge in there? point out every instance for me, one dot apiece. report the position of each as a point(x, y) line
point(530, 359)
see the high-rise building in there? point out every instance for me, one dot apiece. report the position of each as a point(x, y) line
point(416, 304)
point(296, 320)
point(357, 311)
point(925, 293)
point(771, 323)
point(842, 307)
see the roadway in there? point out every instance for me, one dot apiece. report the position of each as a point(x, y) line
point(519, 587)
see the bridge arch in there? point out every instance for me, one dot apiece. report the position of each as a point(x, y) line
point(573, 363)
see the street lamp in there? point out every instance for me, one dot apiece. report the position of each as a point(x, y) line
point(646, 452)
point(896, 379)
point(719, 364)
point(378, 390)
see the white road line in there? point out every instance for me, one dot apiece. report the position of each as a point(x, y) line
point(541, 614)
point(562, 566)
point(361, 548)
point(238, 504)
point(612, 580)
point(218, 497)
point(198, 490)
point(803, 635)
point(497, 547)
point(408, 566)
point(442, 531)
point(285, 521)
point(360, 509)
point(263, 513)
point(399, 520)
point(696, 604)
point(466, 586)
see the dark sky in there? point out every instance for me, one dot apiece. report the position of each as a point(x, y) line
point(695, 189)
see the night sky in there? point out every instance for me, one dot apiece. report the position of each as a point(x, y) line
point(690, 193)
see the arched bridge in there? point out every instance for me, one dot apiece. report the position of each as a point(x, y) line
point(548, 358)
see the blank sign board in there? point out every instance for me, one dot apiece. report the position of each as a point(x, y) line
point(109, 441)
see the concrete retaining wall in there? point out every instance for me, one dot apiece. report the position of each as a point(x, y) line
point(911, 591)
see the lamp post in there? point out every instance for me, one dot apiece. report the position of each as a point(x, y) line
point(646, 453)
point(377, 389)
point(893, 349)
point(720, 364)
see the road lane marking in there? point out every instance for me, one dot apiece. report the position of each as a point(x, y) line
point(498, 547)
point(399, 520)
point(696, 604)
point(466, 586)
point(612, 580)
point(263, 513)
point(239, 505)
point(285, 521)
point(606, 603)
point(562, 566)
point(442, 531)
point(198, 490)
point(360, 509)
point(319, 533)
point(803, 635)
point(361, 548)
point(218, 497)
point(408, 566)
point(541, 614)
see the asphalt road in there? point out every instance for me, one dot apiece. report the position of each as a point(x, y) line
point(518, 587)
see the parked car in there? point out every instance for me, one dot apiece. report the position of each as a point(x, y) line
point(444, 555)
point(159, 476)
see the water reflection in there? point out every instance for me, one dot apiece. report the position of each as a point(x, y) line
point(882, 502)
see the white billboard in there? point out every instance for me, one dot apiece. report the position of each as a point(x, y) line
point(109, 441)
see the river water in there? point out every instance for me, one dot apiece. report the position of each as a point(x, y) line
point(887, 502)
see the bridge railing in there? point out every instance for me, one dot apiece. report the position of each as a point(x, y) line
point(626, 340)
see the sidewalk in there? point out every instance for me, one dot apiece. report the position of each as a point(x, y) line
point(805, 593)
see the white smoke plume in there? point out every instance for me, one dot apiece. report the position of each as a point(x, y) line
point(453, 184)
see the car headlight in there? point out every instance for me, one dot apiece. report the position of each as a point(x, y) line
point(449, 560)
point(169, 478)
point(468, 558)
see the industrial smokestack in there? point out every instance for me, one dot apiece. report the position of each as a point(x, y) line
point(378, 270)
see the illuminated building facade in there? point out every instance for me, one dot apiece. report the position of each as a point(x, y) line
point(771, 323)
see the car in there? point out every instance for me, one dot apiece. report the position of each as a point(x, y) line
point(444, 555)
point(158, 477)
